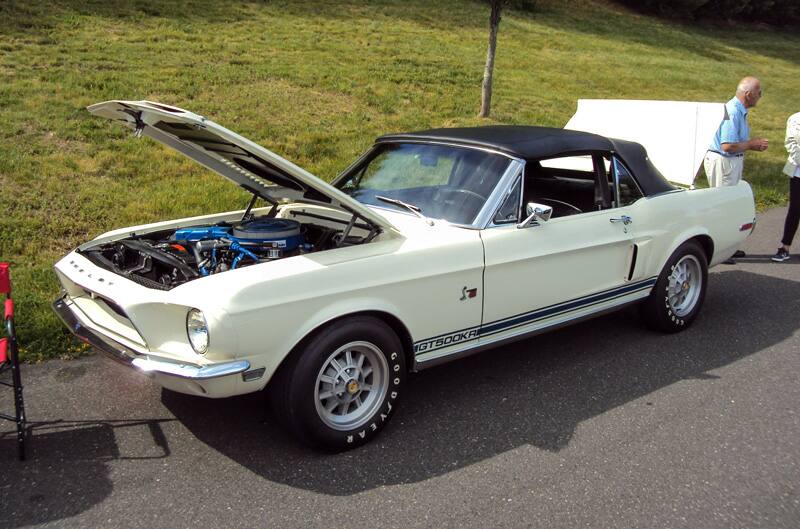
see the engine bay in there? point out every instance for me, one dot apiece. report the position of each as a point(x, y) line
point(168, 258)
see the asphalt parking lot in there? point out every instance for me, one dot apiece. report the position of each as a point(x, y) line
point(605, 424)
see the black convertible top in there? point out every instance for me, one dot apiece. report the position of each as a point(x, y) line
point(529, 142)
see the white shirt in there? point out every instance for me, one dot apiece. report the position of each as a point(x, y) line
point(792, 143)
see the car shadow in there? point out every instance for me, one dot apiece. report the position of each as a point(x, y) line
point(535, 392)
point(67, 469)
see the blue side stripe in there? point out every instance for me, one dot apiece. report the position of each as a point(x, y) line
point(466, 329)
point(540, 314)
point(483, 332)
point(564, 307)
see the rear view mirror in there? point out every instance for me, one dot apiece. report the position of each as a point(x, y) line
point(535, 213)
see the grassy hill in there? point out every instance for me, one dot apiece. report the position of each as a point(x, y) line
point(314, 81)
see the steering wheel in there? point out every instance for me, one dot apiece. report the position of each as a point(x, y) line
point(472, 194)
point(560, 203)
point(460, 209)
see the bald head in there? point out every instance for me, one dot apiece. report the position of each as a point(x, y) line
point(749, 91)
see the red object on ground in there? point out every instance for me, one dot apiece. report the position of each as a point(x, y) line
point(5, 279)
point(9, 361)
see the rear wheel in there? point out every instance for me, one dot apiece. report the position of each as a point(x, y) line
point(342, 386)
point(679, 291)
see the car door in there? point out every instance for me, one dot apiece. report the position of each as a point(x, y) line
point(555, 271)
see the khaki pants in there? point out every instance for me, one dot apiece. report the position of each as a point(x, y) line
point(723, 170)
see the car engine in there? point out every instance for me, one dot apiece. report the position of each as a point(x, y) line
point(166, 259)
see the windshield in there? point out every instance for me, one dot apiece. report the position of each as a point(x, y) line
point(443, 182)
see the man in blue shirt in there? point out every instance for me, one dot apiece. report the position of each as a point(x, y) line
point(725, 156)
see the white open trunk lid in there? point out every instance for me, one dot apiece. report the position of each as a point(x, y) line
point(231, 155)
point(676, 134)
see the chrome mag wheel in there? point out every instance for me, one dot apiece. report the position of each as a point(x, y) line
point(351, 385)
point(685, 285)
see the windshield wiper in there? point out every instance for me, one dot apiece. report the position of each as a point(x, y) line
point(416, 210)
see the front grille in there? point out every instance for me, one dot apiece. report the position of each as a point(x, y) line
point(110, 304)
point(149, 283)
point(107, 315)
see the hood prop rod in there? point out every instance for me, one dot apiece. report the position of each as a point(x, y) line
point(341, 238)
point(247, 216)
point(256, 195)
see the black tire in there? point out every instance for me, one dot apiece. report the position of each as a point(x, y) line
point(298, 390)
point(661, 314)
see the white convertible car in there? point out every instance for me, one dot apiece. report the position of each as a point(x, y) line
point(433, 245)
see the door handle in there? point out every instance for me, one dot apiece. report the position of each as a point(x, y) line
point(623, 219)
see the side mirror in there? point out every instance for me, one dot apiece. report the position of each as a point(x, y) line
point(535, 213)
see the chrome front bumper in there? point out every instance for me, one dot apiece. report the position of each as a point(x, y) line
point(123, 354)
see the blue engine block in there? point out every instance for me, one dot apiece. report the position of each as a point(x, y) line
point(269, 237)
point(202, 233)
point(275, 233)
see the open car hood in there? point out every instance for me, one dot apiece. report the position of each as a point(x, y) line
point(676, 134)
point(248, 164)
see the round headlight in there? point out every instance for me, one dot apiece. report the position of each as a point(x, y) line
point(197, 330)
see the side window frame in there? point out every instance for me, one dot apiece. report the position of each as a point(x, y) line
point(615, 162)
point(515, 187)
point(595, 172)
point(602, 191)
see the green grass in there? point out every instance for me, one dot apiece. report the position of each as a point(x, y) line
point(315, 81)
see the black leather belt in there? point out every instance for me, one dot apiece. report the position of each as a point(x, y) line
point(738, 155)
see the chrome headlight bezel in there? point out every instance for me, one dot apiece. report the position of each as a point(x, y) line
point(197, 331)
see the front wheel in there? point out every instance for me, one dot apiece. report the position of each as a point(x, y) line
point(679, 291)
point(340, 389)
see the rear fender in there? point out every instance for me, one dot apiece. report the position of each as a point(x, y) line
point(694, 232)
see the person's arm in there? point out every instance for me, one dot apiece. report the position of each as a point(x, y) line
point(756, 144)
point(793, 138)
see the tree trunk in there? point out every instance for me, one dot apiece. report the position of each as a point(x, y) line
point(486, 92)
